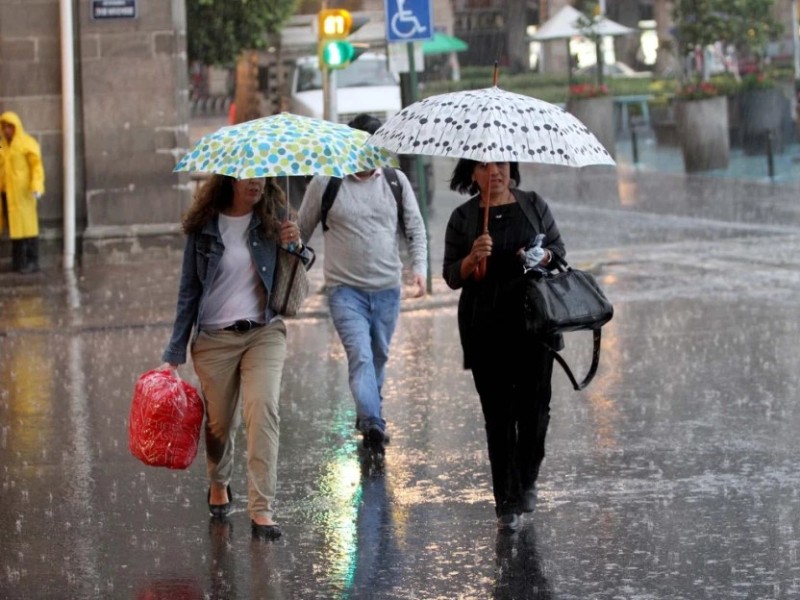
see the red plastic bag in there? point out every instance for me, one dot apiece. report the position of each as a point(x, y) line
point(165, 421)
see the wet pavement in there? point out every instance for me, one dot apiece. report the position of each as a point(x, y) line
point(674, 475)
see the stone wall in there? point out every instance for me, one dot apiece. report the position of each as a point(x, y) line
point(134, 85)
point(131, 118)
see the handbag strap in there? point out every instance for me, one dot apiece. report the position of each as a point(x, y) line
point(592, 368)
point(300, 255)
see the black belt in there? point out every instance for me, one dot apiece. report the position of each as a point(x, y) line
point(243, 326)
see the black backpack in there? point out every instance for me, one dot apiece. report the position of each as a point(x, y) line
point(334, 183)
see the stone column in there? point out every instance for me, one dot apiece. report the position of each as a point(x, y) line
point(134, 100)
point(666, 59)
point(555, 57)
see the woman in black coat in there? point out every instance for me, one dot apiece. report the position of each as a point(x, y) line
point(511, 368)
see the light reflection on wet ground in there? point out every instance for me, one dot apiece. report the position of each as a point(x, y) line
point(673, 476)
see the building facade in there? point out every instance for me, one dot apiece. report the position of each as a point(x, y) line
point(130, 118)
point(131, 105)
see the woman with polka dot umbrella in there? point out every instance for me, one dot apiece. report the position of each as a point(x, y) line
point(284, 145)
point(491, 125)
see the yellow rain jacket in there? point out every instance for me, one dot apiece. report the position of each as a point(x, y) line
point(21, 175)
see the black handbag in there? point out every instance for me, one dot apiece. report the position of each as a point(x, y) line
point(562, 300)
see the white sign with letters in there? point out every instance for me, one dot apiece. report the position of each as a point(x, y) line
point(113, 9)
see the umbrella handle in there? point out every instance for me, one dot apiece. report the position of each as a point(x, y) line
point(480, 270)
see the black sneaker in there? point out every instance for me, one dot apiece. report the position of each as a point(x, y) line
point(508, 523)
point(375, 439)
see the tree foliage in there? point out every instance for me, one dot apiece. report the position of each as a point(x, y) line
point(698, 23)
point(746, 24)
point(218, 30)
point(751, 25)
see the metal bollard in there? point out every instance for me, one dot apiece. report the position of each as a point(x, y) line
point(770, 157)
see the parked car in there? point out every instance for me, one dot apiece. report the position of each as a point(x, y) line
point(617, 69)
point(365, 86)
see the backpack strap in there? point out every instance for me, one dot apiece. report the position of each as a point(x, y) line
point(334, 183)
point(397, 191)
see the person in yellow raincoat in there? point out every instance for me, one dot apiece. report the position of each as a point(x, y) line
point(21, 186)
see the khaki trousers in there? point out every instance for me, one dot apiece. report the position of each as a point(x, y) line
point(247, 366)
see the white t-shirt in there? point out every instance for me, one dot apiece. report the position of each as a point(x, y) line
point(236, 292)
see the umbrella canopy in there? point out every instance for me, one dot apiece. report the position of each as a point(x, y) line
point(284, 144)
point(492, 125)
point(565, 24)
point(443, 44)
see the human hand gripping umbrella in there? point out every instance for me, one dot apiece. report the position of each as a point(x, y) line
point(491, 125)
point(285, 144)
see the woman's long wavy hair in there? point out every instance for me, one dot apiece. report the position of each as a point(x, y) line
point(216, 195)
point(462, 182)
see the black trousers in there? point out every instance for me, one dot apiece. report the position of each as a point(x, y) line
point(24, 251)
point(25, 255)
point(515, 391)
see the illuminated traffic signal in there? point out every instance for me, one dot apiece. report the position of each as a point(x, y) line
point(337, 54)
point(334, 25)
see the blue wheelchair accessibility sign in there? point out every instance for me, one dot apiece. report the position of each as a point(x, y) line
point(408, 20)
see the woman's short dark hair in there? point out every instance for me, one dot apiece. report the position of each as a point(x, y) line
point(461, 181)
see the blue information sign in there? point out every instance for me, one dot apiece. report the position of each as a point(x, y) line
point(408, 20)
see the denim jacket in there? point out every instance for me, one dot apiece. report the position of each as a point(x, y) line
point(201, 258)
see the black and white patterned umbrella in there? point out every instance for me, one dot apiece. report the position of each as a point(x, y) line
point(492, 125)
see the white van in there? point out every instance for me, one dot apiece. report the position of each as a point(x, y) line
point(365, 86)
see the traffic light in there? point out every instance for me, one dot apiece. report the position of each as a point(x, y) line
point(337, 54)
point(334, 25)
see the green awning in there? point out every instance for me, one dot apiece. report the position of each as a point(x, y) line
point(443, 43)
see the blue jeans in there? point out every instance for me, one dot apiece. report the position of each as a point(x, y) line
point(365, 322)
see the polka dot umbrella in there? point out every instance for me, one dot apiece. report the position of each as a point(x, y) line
point(492, 125)
point(285, 145)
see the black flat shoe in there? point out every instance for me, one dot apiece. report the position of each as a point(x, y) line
point(265, 532)
point(220, 511)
